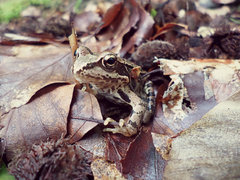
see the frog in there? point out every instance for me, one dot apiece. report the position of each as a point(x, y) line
point(119, 80)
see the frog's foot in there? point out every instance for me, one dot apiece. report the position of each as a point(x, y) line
point(110, 121)
point(125, 130)
point(119, 127)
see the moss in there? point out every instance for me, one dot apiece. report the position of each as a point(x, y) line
point(77, 6)
point(46, 3)
point(11, 9)
point(4, 175)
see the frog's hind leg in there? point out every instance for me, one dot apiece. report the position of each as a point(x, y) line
point(149, 91)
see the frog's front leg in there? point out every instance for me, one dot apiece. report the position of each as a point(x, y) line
point(133, 122)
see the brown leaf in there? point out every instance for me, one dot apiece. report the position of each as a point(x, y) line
point(131, 15)
point(210, 148)
point(45, 116)
point(124, 21)
point(111, 14)
point(33, 68)
point(166, 28)
point(85, 114)
point(135, 156)
point(117, 147)
point(86, 21)
point(144, 30)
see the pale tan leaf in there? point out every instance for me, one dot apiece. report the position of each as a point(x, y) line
point(210, 148)
point(105, 170)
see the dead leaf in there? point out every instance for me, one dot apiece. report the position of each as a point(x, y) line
point(33, 68)
point(142, 160)
point(124, 21)
point(45, 116)
point(218, 73)
point(135, 156)
point(117, 147)
point(86, 21)
point(144, 30)
point(167, 27)
point(163, 144)
point(210, 148)
point(224, 1)
point(111, 14)
point(85, 114)
point(196, 87)
point(105, 170)
point(125, 17)
point(94, 143)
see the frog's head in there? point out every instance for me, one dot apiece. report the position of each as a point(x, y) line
point(104, 71)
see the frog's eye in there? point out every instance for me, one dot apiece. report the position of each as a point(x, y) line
point(109, 60)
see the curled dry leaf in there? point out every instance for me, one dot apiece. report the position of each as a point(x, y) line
point(119, 20)
point(33, 68)
point(217, 74)
point(167, 27)
point(209, 149)
point(73, 42)
point(111, 14)
point(196, 87)
point(85, 114)
point(163, 144)
point(122, 23)
point(45, 116)
point(144, 30)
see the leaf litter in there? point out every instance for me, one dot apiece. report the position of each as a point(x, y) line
point(189, 91)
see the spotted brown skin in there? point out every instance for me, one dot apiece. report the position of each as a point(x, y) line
point(109, 75)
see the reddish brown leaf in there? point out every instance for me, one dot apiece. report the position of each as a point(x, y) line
point(33, 68)
point(111, 14)
point(166, 28)
point(45, 116)
point(144, 30)
point(85, 114)
point(127, 18)
point(142, 160)
point(135, 156)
